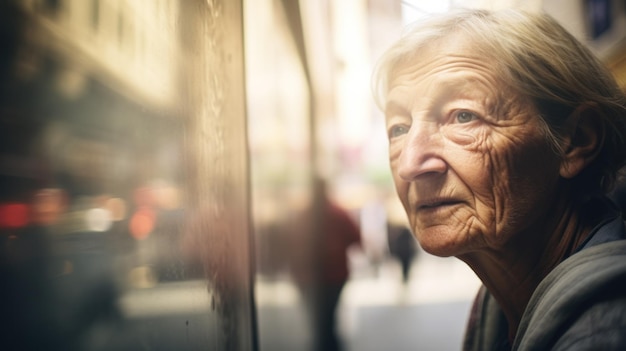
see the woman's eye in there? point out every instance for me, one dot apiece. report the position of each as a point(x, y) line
point(398, 130)
point(465, 117)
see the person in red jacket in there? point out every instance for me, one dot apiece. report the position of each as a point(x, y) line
point(320, 264)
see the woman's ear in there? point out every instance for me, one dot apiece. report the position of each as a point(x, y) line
point(584, 139)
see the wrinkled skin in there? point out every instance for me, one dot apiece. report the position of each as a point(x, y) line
point(469, 161)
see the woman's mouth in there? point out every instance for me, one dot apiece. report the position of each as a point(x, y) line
point(432, 204)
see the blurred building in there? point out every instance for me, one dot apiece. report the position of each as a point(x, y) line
point(131, 46)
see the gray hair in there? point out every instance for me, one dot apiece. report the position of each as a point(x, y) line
point(537, 58)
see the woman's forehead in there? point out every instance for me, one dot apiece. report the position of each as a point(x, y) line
point(445, 67)
point(452, 70)
point(432, 54)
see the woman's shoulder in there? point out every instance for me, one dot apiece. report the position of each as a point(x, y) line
point(579, 291)
point(601, 326)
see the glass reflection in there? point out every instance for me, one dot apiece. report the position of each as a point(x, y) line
point(119, 228)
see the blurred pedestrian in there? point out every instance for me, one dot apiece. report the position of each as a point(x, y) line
point(403, 247)
point(320, 263)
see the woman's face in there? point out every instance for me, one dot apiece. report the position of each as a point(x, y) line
point(469, 160)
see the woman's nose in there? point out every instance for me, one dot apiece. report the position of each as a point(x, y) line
point(422, 152)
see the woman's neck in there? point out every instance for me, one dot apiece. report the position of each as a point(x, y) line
point(512, 273)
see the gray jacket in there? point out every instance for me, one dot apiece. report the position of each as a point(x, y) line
point(580, 305)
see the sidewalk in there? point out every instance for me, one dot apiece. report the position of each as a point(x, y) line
point(429, 313)
point(377, 312)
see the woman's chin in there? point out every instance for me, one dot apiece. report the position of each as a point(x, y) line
point(442, 244)
point(439, 251)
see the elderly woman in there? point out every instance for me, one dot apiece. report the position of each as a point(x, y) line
point(505, 133)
